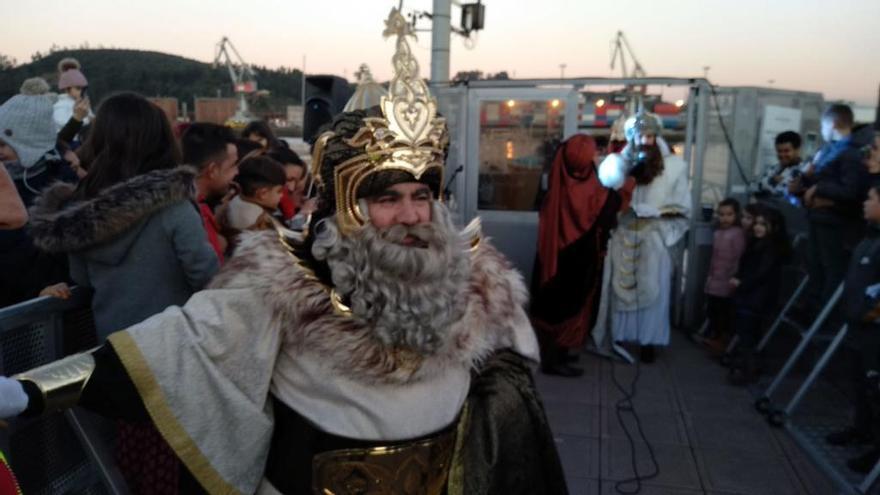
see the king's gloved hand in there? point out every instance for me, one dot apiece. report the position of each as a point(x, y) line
point(13, 399)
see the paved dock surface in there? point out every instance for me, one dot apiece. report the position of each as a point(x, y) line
point(707, 437)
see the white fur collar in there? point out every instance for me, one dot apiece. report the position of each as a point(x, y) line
point(494, 318)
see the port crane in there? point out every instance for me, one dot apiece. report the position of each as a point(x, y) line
point(244, 79)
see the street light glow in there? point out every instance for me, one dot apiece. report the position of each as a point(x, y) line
point(600, 103)
point(554, 103)
point(511, 103)
point(679, 103)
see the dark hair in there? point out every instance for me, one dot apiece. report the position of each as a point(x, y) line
point(778, 235)
point(259, 171)
point(790, 137)
point(842, 115)
point(130, 136)
point(246, 147)
point(203, 142)
point(262, 129)
point(754, 209)
point(286, 156)
point(733, 203)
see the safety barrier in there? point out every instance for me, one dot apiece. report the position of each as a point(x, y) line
point(63, 452)
point(810, 433)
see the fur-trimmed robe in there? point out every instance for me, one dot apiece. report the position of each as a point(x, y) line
point(266, 327)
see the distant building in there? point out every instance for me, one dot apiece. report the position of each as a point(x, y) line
point(215, 110)
point(168, 105)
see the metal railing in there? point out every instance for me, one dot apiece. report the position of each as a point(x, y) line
point(62, 452)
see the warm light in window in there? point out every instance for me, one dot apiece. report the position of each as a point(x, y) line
point(511, 103)
point(554, 103)
point(509, 147)
point(600, 103)
point(679, 103)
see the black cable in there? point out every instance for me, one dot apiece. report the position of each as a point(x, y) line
point(625, 405)
point(736, 161)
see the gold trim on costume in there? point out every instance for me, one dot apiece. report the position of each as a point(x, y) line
point(156, 404)
point(61, 382)
point(409, 136)
point(455, 485)
point(420, 467)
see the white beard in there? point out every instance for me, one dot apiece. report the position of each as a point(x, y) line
point(410, 296)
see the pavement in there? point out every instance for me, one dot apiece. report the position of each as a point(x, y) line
point(706, 435)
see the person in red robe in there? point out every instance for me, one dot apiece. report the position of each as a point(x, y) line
point(576, 217)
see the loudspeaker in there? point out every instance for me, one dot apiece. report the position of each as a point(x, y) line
point(326, 96)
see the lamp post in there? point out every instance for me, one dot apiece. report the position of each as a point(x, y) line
point(562, 71)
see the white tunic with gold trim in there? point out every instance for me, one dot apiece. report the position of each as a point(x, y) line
point(635, 299)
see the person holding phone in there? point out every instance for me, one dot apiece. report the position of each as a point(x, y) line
point(72, 103)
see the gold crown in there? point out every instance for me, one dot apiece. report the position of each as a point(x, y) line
point(409, 136)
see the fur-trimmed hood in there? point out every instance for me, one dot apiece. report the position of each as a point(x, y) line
point(494, 317)
point(60, 224)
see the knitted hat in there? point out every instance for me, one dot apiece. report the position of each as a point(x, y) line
point(26, 122)
point(71, 76)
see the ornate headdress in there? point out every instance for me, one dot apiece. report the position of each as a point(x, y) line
point(407, 137)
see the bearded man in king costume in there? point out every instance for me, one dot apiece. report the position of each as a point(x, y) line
point(384, 351)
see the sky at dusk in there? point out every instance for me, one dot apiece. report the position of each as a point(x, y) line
point(813, 45)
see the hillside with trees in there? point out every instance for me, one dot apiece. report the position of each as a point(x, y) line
point(151, 74)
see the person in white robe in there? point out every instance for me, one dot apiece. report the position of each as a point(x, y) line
point(637, 279)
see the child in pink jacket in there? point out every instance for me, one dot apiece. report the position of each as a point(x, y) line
point(728, 244)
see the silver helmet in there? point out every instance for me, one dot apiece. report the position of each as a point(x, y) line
point(640, 124)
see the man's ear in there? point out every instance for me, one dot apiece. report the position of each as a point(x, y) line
point(211, 169)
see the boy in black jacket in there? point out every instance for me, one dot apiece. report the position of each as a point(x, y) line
point(861, 308)
point(833, 190)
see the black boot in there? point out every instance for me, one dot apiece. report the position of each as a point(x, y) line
point(647, 354)
point(554, 362)
point(865, 462)
point(849, 436)
point(745, 372)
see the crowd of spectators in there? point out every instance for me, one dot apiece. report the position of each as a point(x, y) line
point(141, 218)
point(835, 195)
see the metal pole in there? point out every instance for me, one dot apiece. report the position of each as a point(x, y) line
point(692, 285)
point(441, 30)
point(877, 115)
point(302, 96)
point(782, 317)
point(814, 373)
point(804, 342)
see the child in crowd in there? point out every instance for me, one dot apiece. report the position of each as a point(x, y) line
point(728, 244)
point(259, 132)
point(749, 213)
point(72, 84)
point(861, 308)
point(261, 180)
point(757, 283)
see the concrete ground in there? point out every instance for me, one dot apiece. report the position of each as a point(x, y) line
point(706, 435)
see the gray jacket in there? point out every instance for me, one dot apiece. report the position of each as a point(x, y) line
point(140, 244)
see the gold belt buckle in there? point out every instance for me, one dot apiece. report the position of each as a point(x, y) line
point(416, 468)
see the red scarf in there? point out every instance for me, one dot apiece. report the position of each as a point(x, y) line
point(573, 202)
